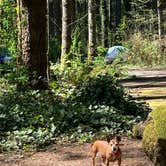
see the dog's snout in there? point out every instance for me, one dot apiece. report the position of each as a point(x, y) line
point(114, 148)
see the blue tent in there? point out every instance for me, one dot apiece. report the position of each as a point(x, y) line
point(4, 58)
point(115, 51)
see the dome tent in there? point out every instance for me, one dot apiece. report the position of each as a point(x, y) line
point(114, 52)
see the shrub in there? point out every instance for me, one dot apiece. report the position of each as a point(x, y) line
point(154, 136)
point(138, 130)
point(80, 104)
point(144, 51)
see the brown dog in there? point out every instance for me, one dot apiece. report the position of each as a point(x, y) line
point(109, 151)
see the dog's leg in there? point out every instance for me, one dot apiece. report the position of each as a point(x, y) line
point(107, 162)
point(104, 159)
point(93, 159)
point(119, 162)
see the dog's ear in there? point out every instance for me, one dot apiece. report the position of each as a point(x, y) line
point(118, 138)
point(108, 139)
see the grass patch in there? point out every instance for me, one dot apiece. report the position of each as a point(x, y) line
point(157, 91)
point(156, 103)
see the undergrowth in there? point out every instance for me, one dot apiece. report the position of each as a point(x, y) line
point(83, 101)
point(145, 52)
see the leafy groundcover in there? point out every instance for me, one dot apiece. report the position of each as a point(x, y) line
point(74, 109)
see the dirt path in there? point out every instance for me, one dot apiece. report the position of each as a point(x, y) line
point(79, 155)
point(76, 155)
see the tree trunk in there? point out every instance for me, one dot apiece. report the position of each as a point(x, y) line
point(0, 15)
point(91, 29)
point(118, 12)
point(23, 33)
point(51, 19)
point(66, 29)
point(110, 14)
point(160, 18)
point(58, 19)
point(36, 47)
point(104, 22)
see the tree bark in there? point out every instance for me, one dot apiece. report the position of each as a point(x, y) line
point(36, 44)
point(91, 29)
point(58, 19)
point(1, 1)
point(51, 18)
point(104, 23)
point(110, 14)
point(160, 18)
point(66, 29)
point(118, 12)
point(23, 33)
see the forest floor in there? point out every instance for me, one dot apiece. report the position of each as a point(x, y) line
point(75, 155)
point(149, 85)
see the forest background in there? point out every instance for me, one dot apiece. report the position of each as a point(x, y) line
point(58, 84)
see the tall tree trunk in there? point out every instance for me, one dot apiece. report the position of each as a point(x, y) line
point(66, 29)
point(23, 33)
point(160, 18)
point(51, 18)
point(1, 2)
point(58, 19)
point(91, 29)
point(38, 27)
point(37, 42)
point(118, 12)
point(97, 17)
point(110, 14)
point(104, 22)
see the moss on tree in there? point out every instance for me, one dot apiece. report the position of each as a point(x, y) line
point(154, 136)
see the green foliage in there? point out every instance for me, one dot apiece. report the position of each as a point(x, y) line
point(54, 50)
point(34, 119)
point(143, 17)
point(28, 117)
point(17, 76)
point(150, 139)
point(77, 50)
point(138, 130)
point(81, 103)
point(77, 47)
point(121, 32)
point(8, 30)
point(144, 52)
point(3, 50)
point(101, 51)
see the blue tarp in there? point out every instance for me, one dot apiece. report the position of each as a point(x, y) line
point(113, 52)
